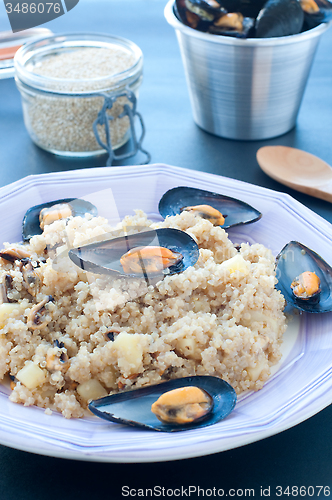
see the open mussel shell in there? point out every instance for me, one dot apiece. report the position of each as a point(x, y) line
point(134, 407)
point(236, 212)
point(294, 259)
point(31, 223)
point(104, 257)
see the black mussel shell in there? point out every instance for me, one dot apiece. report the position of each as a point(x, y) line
point(180, 10)
point(279, 18)
point(196, 14)
point(322, 15)
point(31, 225)
point(247, 25)
point(134, 407)
point(325, 6)
point(294, 259)
point(206, 10)
point(236, 212)
point(104, 257)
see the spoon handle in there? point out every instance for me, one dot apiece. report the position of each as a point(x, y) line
point(297, 169)
point(323, 193)
point(318, 192)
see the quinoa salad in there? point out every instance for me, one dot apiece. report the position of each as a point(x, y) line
point(68, 336)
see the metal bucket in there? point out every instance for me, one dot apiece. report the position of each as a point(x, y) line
point(246, 89)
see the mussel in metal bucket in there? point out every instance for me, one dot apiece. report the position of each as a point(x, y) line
point(316, 12)
point(251, 18)
point(279, 18)
point(304, 278)
point(176, 405)
point(214, 17)
point(206, 204)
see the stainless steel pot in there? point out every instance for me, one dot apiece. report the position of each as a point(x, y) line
point(246, 89)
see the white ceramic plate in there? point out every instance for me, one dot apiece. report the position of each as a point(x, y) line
point(302, 384)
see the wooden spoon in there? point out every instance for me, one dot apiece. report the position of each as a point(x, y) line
point(297, 169)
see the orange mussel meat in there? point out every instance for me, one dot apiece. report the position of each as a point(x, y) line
point(207, 212)
point(306, 285)
point(150, 259)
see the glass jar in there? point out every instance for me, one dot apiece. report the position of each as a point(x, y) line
point(76, 90)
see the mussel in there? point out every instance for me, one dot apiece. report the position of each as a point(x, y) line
point(279, 18)
point(40, 215)
point(183, 405)
point(133, 407)
point(233, 211)
point(295, 260)
point(146, 254)
point(316, 12)
point(198, 14)
point(36, 319)
point(207, 10)
point(232, 24)
point(306, 286)
point(149, 260)
point(213, 16)
point(253, 18)
point(11, 254)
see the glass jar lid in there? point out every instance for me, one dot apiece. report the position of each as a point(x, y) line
point(80, 63)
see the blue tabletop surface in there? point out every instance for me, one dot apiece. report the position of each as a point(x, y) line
point(300, 456)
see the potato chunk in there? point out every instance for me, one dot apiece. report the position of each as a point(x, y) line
point(6, 311)
point(129, 352)
point(92, 389)
point(236, 265)
point(31, 375)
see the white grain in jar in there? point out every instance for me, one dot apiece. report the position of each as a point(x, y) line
point(85, 63)
point(60, 81)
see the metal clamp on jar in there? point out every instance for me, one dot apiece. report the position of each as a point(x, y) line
point(79, 94)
